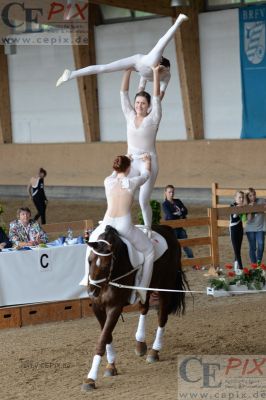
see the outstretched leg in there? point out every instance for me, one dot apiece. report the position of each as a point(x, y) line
point(118, 65)
point(154, 56)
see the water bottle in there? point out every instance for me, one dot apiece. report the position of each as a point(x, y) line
point(69, 235)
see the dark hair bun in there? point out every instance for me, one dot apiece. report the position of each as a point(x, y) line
point(121, 163)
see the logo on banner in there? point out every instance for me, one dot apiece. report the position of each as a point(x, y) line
point(255, 41)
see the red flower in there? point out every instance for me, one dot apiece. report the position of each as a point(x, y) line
point(254, 265)
point(228, 266)
point(263, 266)
point(231, 274)
point(246, 271)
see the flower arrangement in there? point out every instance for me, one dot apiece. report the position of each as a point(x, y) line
point(252, 278)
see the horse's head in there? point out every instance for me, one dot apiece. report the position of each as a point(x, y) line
point(101, 260)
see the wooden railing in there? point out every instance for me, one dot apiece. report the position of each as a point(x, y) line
point(62, 227)
point(210, 240)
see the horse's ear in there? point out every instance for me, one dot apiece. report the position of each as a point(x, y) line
point(94, 245)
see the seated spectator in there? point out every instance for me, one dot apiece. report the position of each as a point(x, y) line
point(175, 209)
point(25, 231)
point(4, 241)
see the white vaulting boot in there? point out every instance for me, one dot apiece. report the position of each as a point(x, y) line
point(64, 77)
point(182, 17)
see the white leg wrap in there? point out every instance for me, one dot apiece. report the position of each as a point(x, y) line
point(94, 368)
point(158, 342)
point(110, 353)
point(140, 334)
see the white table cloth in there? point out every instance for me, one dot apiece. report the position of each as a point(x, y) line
point(42, 274)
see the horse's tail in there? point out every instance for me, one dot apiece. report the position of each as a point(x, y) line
point(177, 304)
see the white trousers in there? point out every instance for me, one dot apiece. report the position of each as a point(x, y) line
point(135, 236)
point(145, 191)
point(137, 61)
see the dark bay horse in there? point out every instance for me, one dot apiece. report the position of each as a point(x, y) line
point(109, 262)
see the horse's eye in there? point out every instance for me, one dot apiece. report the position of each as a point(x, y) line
point(98, 262)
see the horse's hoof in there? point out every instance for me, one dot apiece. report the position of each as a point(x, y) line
point(152, 357)
point(88, 384)
point(141, 349)
point(110, 371)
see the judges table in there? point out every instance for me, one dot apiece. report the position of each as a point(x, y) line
point(42, 274)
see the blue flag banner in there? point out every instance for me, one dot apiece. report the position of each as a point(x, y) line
point(253, 70)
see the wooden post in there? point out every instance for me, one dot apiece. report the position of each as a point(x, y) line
point(87, 85)
point(214, 196)
point(188, 60)
point(5, 110)
point(213, 232)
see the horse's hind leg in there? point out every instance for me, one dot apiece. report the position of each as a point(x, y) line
point(141, 346)
point(153, 355)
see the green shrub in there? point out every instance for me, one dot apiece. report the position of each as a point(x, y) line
point(156, 213)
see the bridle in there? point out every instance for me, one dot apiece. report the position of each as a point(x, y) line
point(98, 281)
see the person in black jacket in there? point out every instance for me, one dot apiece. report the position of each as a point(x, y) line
point(4, 241)
point(175, 209)
point(37, 194)
point(236, 229)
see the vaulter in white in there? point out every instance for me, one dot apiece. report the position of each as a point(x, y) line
point(141, 63)
point(120, 189)
point(142, 127)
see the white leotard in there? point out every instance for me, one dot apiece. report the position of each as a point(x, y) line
point(142, 140)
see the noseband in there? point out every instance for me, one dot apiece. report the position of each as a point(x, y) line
point(96, 282)
point(101, 254)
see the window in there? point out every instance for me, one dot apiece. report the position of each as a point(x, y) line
point(218, 4)
point(116, 14)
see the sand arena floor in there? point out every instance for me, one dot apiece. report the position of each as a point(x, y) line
point(49, 361)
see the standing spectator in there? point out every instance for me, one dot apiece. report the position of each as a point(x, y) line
point(25, 231)
point(175, 209)
point(37, 194)
point(236, 229)
point(255, 229)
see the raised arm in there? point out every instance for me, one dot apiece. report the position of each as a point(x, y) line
point(126, 80)
point(29, 188)
point(156, 81)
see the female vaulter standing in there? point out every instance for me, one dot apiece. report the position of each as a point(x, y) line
point(142, 129)
point(141, 63)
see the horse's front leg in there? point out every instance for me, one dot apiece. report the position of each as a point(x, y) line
point(110, 369)
point(153, 355)
point(112, 315)
point(141, 346)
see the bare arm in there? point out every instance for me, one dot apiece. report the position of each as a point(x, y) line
point(29, 189)
point(125, 80)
